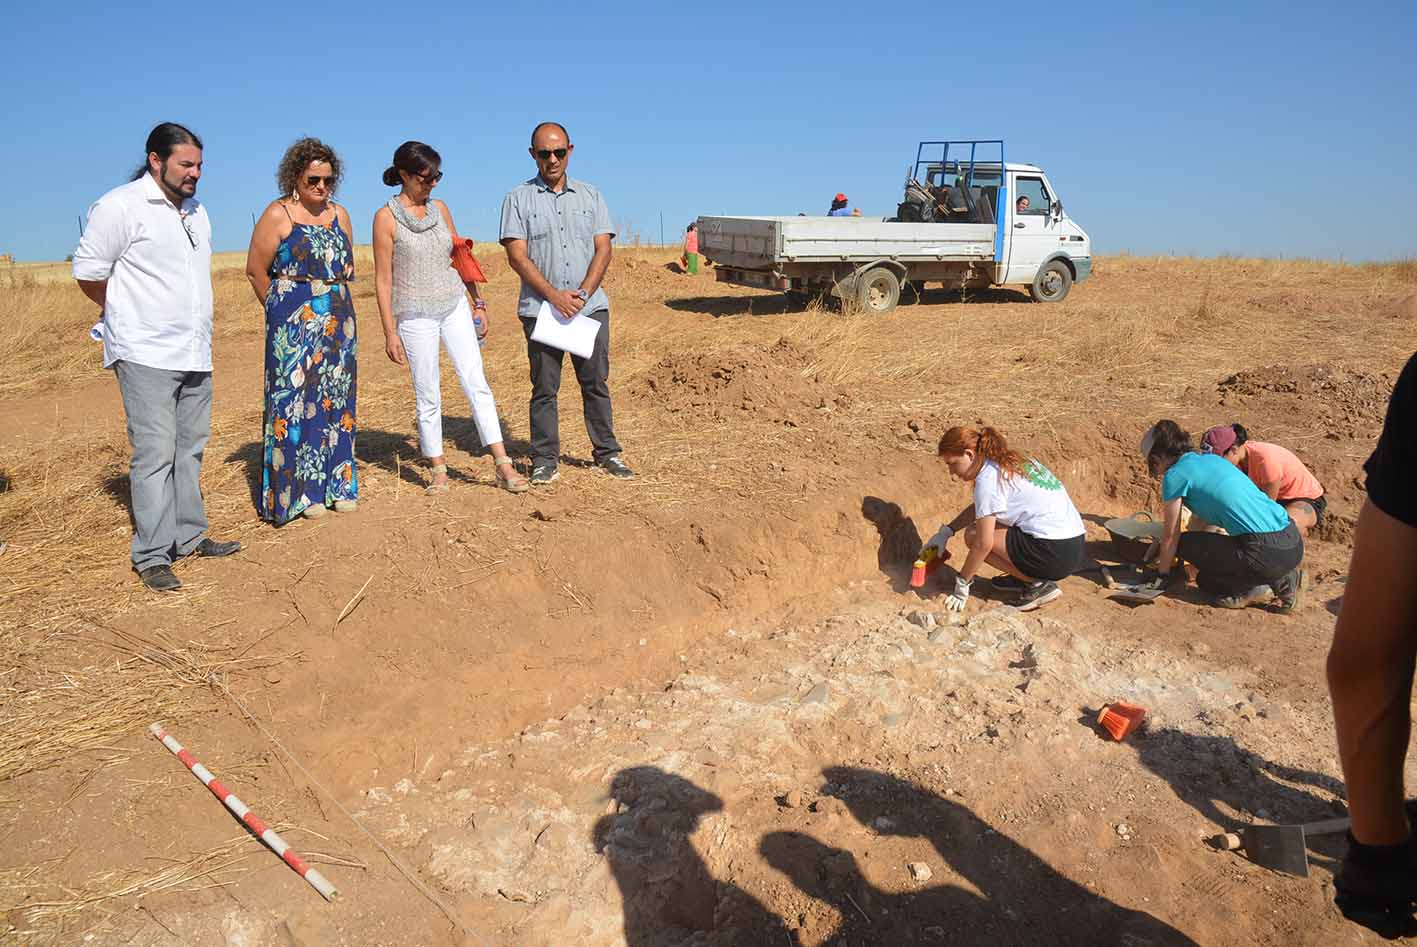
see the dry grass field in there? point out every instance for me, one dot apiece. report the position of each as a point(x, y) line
point(783, 454)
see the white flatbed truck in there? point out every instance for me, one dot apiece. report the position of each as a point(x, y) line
point(966, 222)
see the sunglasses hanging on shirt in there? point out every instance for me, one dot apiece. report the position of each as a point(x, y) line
point(187, 229)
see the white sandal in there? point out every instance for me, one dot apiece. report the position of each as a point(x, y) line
point(519, 485)
point(434, 488)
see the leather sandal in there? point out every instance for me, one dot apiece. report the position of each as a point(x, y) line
point(437, 487)
point(513, 482)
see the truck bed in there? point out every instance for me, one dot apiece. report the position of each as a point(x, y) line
point(764, 242)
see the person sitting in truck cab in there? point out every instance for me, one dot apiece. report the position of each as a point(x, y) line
point(1021, 205)
point(838, 208)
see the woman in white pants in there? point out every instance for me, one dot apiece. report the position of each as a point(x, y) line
point(422, 300)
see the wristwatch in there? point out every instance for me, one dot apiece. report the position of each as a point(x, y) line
point(581, 293)
point(479, 304)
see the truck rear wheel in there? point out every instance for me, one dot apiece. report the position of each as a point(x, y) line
point(878, 291)
point(1052, 283)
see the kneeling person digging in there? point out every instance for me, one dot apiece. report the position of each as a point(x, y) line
point(1022, 520)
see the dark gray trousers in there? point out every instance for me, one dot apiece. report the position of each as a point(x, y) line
point(1227, 565)
point(169, 420)
point(594, 376)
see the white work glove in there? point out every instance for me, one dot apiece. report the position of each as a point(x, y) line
point(959, 596)
point(939, 539)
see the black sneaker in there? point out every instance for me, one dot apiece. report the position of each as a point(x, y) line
point(1289, 591)
point(616, 468)
point(1037, 595)
point(1008, 583)
point(1254, 596)
point(160, 579)
point(543, 472)
point(1376, 886)
point(212, 549)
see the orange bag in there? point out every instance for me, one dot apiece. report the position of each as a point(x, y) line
point(465, 263)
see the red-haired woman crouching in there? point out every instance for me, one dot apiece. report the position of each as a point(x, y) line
point(1021, 521)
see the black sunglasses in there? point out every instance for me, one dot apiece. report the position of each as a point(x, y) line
point(545, 153)
point(314, 179)
point(433, 178)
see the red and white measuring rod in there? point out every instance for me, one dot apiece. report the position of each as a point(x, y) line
point(243, 812)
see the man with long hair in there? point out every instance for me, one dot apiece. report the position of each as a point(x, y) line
point(145, 258)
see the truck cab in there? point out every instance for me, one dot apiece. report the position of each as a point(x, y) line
point(1032, 228)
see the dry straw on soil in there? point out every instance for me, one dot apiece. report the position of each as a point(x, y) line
point(75, 677)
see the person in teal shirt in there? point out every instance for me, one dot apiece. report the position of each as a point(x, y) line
point(1259, 554)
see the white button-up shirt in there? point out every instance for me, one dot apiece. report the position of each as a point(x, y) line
point(158, 308)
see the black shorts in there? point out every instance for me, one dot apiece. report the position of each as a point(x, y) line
point(1320, 504)
point(1050, 559)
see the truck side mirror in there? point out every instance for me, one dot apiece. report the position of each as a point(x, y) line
point(1057, 208)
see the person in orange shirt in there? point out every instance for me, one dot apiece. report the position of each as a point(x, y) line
point(1275, 470)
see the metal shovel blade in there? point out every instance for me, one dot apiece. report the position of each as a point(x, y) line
point(1280, 847)
point(1140, 594)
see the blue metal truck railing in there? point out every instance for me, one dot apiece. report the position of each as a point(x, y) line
point(963, 169)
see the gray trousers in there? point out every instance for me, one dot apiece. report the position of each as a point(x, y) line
point(594, 375)
point(169, 420)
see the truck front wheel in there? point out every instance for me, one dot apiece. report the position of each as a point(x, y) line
point(1052, 283)
point(878, 291)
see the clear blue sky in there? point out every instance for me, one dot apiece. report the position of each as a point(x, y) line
point(1283, 129)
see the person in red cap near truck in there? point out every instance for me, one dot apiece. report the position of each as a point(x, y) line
point(839, 207)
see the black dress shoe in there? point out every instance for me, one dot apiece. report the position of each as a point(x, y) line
point(211, 549)
point(160, 579)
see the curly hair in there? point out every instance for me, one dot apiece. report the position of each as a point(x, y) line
point(298, 157)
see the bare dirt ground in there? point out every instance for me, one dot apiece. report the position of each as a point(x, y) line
point(691, 709)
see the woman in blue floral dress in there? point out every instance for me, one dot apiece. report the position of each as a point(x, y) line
point(300, 264)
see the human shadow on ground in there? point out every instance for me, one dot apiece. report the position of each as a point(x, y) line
point(1020, 900)
point(900, 540)
point(462, 433)
point(669, 894)
point(1220, 779)
point(120, 489)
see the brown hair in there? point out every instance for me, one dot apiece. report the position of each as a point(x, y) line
point(986, 443)
point(300, 156)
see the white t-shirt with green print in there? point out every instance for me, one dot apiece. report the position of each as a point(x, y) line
point(1032, 500)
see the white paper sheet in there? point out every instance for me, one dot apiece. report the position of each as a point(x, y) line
point(575, 335)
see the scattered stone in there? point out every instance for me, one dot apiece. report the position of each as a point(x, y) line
point(1199, 648)
point(817, 695)
point(939, 636)
point(883, 823)
point(920, 871)
point(1261, 813)
point(922, 618)
point(793, 799)
point(1124, 831)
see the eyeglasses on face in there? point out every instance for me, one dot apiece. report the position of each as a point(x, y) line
point(314, 180)
point(433, 178)
point(545, 154)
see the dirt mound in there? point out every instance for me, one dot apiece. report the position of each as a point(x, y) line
point(640, 276)
point(1335, 394)
point(776, 383)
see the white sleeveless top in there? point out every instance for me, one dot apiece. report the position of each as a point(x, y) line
point(424, 280)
